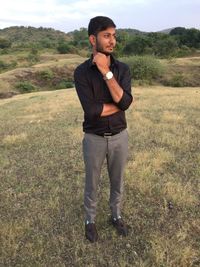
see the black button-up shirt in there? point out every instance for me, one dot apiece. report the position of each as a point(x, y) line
point(93, 92)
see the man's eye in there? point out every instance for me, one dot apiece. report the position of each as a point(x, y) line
point(110, 36)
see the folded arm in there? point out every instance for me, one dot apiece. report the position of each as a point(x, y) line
point(120, 91)
point(92, 108)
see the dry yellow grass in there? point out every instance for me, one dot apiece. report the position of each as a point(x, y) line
point(13, 139)
point(42, 180)
point(59, 61)
point(186, 61)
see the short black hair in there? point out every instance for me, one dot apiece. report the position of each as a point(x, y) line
point(98, 24)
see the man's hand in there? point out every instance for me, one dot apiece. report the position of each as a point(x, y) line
point(102, 62)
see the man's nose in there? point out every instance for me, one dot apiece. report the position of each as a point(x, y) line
point(112, 40)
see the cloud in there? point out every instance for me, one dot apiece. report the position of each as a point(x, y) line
point(34, 11)
point(68, 15)
point(53, 12)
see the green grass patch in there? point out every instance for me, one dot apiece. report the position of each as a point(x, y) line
point(25, 87)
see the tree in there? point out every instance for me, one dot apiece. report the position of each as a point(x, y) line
point(191, 38)
point(137, 45)
point(47, 43)
point(80, 37)
point(63, 48)
point(178, 31)
point(188, 37)
point(165, 46)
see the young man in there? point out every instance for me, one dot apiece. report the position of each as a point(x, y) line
point(103, 85)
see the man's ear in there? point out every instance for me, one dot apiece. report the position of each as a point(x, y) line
point(92, 39)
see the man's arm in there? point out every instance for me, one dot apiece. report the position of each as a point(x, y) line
point(103, 65)
point(115, 90)
point(109, 109)
point(92, 108)
point(121, 95)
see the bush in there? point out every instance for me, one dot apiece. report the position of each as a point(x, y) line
point(6, 66)
point(183, 51)
point(63, 48)
point(13, 64)
point(177, 80)
point(33, 56)
point(4, 51)
point(25, 87)
point(165, 47)
point(144, 68)
point(3, 65)
point(64, 84)
point(46, 75)
point(47, 43)
point(4, 43)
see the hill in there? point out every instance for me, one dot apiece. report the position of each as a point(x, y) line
point(130, 31)
point(55, 71)
point(167, 31)
point(21, 35)
point(52, 71)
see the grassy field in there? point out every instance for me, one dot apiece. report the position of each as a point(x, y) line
point(42, 179)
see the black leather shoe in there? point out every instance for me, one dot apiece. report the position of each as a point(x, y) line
point(91, 232)
point(120, 226)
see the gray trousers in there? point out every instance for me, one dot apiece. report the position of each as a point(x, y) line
point(95, 150)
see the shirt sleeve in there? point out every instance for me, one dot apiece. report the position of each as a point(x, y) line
point(125, 83)
point(91, 107)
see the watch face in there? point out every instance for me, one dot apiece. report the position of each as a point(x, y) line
point(109, 75)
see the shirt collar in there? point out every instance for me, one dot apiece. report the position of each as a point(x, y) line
point(112, 60)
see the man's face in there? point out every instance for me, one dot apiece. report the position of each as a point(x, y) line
point(106, 41)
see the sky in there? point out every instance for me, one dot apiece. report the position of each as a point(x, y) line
point(69, 15)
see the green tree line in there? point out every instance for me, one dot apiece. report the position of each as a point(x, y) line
point(178, 42)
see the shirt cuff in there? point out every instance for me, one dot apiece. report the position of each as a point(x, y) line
point(125, 101)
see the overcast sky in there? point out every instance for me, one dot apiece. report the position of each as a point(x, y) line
point(68, 15)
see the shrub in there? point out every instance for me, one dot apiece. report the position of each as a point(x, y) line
point(4, 51)
point(144, 68)
point(13, 64)
point(47, 43)
point(33, 56)
point(25, 87)
point(63, 48)
point(177, 80)
point(64, 84)
point(3, 65)
point(4, 43)
point(6, 66)
point(183, 51)
point(46, 74)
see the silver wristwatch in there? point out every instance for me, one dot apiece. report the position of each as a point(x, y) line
point(108, 75)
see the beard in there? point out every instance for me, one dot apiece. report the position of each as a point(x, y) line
point(100, 49)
